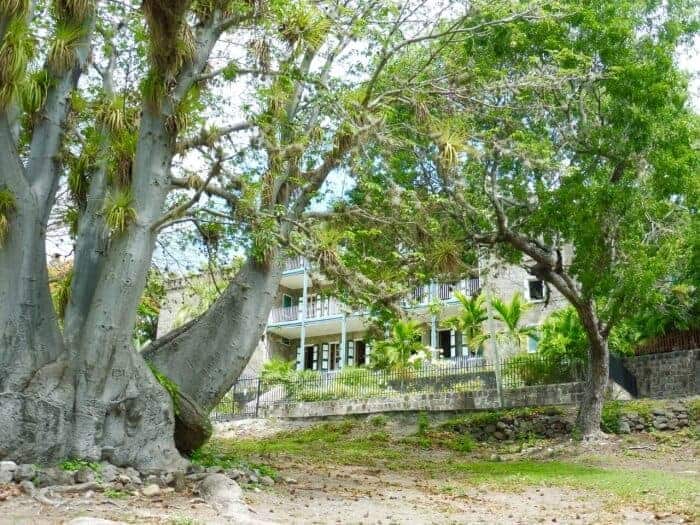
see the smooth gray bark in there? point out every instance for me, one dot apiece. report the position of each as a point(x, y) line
point(206, 356)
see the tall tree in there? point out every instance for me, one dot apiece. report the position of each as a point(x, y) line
point(564, 143)
point(226, 116)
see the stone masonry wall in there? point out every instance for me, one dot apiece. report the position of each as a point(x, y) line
point(666, 375)
point(563, 394)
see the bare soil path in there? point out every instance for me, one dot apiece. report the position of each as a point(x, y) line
point(361, 475)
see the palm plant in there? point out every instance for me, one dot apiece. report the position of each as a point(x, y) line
point(470, 321)
point(511, 315)
point(395, 352)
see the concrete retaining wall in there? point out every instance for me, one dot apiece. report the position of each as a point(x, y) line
point(563, 394)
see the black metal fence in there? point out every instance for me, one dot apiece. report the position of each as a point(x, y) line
point(250, 396)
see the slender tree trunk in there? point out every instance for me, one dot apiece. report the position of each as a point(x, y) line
point(591, 407)
point(206, 356)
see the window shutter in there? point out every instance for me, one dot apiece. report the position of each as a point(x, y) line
point(324, 361)
point(351, 353)
point(315, 357)
point(453, 352)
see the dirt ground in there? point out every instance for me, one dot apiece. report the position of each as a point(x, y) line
point(319, 492)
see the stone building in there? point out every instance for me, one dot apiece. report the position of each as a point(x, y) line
point(321, 333)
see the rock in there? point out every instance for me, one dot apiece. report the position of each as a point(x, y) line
point(109, 472)
point(658, 412)
point(291, 481)
point(660, 424)
point(133, 475)
point(179, 482)
point(151, 479)
point(25, 472)
point(215, 470)
point(193, 468)
point(624, 427)
point(224, 495)
point(167, 478)
point(495, 457)
point(490, 429)
point(501, 425)
point(499, 435)
point(235, 473)
point(124, 479)
point(267, 480)
point(27, 487)
point(7, 471)
point(54, 476)
point(252, 478)
point(151, 490)
point(84, 475)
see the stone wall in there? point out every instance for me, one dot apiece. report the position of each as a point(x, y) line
point(563, 394)
point(666, 375)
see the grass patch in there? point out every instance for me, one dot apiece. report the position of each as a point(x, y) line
point(648, 486)
point(115, 494)
point(435, 453)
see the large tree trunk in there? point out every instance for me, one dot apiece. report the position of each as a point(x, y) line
point(206, 356)
point(591, 408)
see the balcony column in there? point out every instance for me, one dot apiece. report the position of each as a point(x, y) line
point(302, 314)
point(343, 341)
point(433, 319)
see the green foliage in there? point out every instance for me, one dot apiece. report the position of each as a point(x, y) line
point(610, 419)
point(694, 410)
point(511, 315)
point(118, 210)
point(61, 54)
point(72, 465)
point(149, 308)
point(470, 321)
point(303, 23)
point(536, 369)
point(7, 207)
point(403, 350)
point(378, 421)
point(463, 443)
point(423, 424)
point(170, 387)
point(277, 371)
point(562, 335)
point(16, 51)
point(115, 494)
point(61, 292)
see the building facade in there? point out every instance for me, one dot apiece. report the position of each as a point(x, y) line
point(321, 333)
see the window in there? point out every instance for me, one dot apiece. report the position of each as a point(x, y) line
point(287, 301)
point(535, 290)
point(531, 344)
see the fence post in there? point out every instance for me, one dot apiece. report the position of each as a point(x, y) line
point(257, 398)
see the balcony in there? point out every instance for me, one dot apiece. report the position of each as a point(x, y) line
point(444, 291)
point(330, 307)
point(293, 264)
point(316, 309)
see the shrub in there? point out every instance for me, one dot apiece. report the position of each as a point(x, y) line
point(463, 443)
point(277, 371)
point(610, 418)
point(423, 424)
point(535, 369)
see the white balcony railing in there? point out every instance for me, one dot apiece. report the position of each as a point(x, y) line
point(445, 291)
point(315, 309)
point(325, 307)
point(293, 263)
